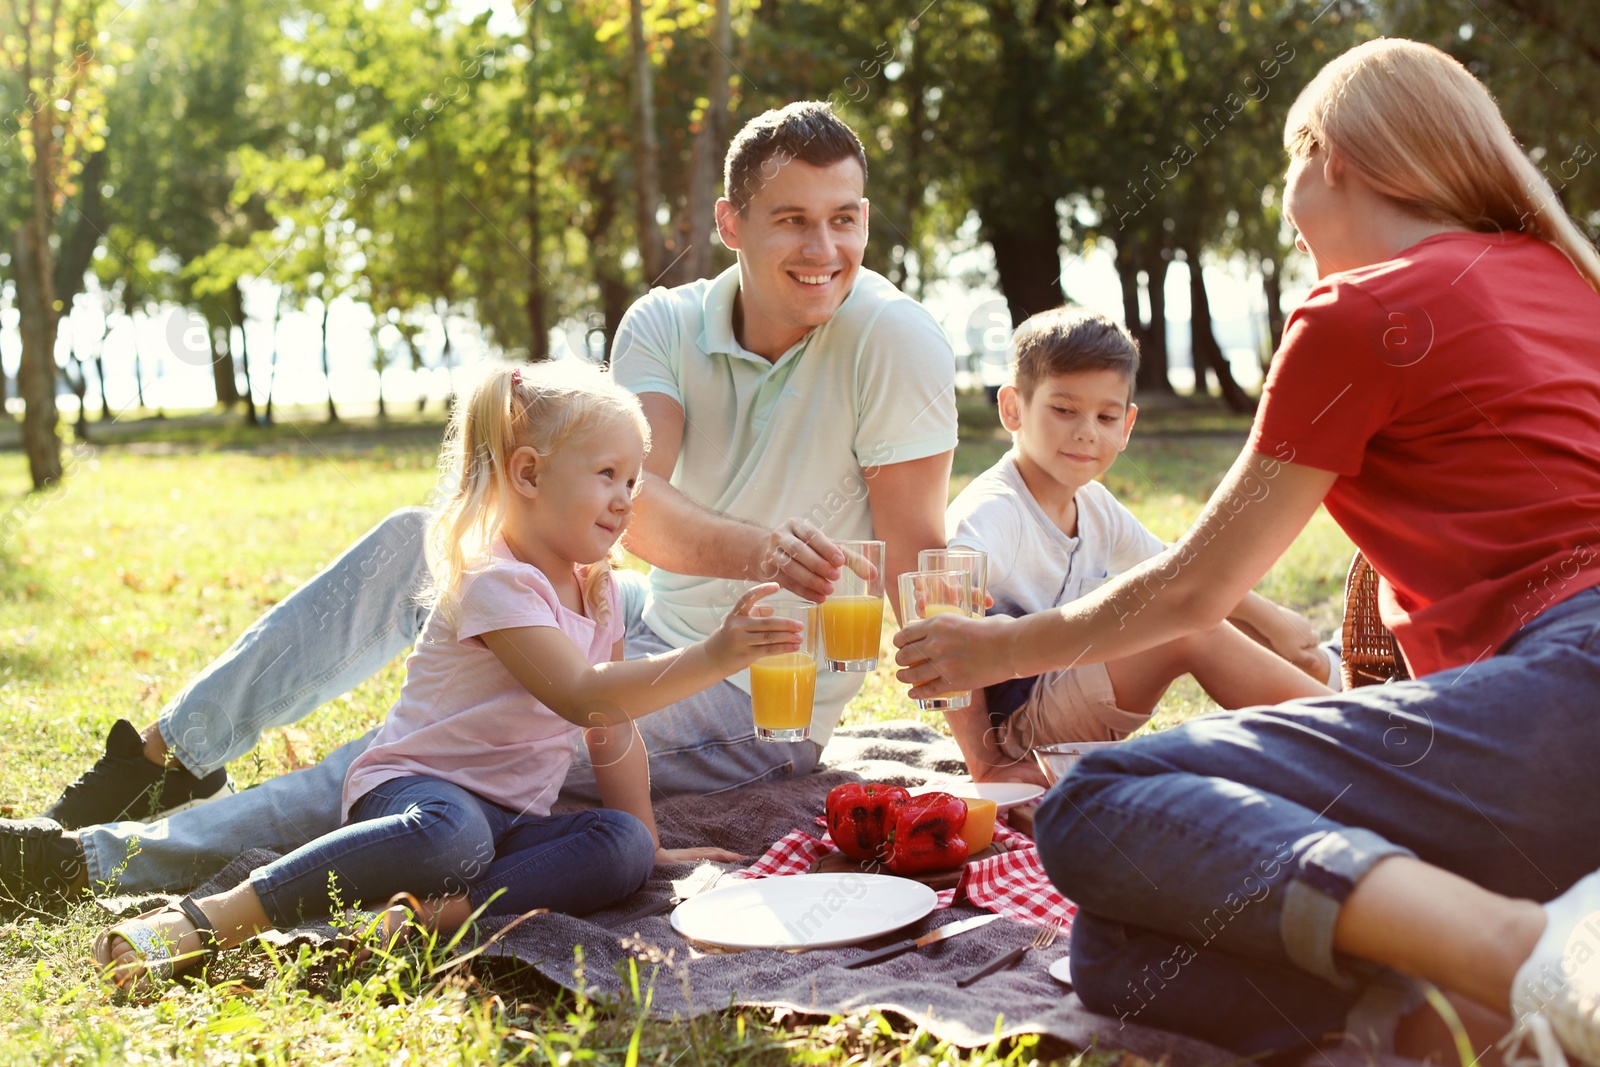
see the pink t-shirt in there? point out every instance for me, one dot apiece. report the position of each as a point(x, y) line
point(462, 717)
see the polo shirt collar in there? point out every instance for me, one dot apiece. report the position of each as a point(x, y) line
point(716, 318)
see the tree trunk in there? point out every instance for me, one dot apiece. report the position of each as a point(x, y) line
point(1207, 353)
point(82, 236)
point(272, 366)
point(327, 374)
point(381, 363)
point(1133, 261)
point(78, 381)
point(706, 159)
point(538, 327)
point(1154, 363)
point(100, 363)
point(138, 363)
point(447, 357)
point(236, 295)
point(36, 374)
point(1027, 255)
point(646, 151)
point(1272, 286)
point(224, 376)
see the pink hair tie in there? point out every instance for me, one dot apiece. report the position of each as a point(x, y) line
point(516, 377)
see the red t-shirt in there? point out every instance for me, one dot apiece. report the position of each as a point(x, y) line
point(1455, 390)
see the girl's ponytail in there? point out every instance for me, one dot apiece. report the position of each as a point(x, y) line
point(537, 406)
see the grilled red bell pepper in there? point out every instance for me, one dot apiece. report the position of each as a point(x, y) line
point(927, 835)
point(860, 816)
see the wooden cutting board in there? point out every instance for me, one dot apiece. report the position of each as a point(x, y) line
point(839, 863)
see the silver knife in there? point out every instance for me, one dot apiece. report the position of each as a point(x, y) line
point(947, 930)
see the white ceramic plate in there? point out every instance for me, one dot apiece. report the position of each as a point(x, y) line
point(1006, 795)
point(803, 910)
point(1061, 971)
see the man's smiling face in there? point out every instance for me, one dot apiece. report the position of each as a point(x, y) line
point(800, 242)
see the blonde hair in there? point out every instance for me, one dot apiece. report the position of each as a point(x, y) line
point(1427, 134)
point(539, 406)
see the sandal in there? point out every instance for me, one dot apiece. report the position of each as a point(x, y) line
point(369, 932)
point(153, 947)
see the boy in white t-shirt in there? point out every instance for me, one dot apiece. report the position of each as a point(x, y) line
point(1053, 534)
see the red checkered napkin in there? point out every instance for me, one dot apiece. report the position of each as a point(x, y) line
point(1012, 883)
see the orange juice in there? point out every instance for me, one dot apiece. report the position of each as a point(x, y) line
point(852, 627)
point(782, 690)
point(978, 832)
point(962, 695)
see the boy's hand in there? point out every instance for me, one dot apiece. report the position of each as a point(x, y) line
point(951, 653)
point(745, 636)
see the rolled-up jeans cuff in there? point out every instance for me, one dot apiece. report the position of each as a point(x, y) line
point(1328, 869)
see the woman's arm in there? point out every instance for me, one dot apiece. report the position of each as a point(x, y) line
point(552, 668)
point(1256, 513)
point(622, 775)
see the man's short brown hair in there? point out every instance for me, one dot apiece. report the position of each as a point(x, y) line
point(1070, 340)
point(807, 130)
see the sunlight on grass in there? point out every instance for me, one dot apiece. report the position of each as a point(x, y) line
point(120, 586)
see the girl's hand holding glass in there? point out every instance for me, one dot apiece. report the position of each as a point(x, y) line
point(749, 632)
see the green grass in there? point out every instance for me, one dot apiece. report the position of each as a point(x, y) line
point(119, 586)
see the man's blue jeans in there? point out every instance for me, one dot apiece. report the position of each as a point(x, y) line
point(1210, 860)
point(335, 631)
point(432, 838)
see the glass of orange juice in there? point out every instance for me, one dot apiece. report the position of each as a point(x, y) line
point(783, 687)
point(852, 618)
point(974, 561)
point(924, 594)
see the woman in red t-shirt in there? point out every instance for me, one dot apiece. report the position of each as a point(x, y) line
point(1269, 877)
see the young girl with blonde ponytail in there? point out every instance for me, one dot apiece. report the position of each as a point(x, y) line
point(521, 656)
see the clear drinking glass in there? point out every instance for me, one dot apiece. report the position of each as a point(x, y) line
point(852, 618)
point(974, 561)
point(783, 687)
point(925, 594)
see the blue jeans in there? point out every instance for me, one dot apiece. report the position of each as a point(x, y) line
point(432, 838)
point(1210, 860)
point(332, 633)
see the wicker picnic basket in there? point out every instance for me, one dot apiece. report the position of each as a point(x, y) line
point(1369, 656)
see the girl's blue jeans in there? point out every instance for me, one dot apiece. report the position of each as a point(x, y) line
point(433, 838)
point(1210, 861)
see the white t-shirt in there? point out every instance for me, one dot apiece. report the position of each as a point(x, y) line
point(463, 717)
point(1033, 566)
point(765, 442)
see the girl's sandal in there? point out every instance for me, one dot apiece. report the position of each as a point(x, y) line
point(153, 947)
point(379, 931)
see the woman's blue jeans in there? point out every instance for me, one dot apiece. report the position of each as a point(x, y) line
point(1210, 861)
point(432, 838)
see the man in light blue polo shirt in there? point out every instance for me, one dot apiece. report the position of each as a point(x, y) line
point(795, 399)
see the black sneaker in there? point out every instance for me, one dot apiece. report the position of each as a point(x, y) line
point(124, 785)
point(39, 862)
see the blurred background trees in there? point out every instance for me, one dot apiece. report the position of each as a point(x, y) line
point(202, 168)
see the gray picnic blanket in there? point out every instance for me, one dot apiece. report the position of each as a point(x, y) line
point(689, 980)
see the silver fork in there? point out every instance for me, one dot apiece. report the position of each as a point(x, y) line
point(1043, 939)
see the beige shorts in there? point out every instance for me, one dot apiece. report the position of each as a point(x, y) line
point(1076, 704)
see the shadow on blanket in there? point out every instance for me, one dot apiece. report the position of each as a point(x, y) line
point(919, 986)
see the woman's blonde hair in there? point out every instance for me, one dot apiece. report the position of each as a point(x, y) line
point(1427, 134)
point(539, 406)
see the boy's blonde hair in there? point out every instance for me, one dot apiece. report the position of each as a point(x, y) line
point(1070, 340)
point(1427, 134)
point(535, 405)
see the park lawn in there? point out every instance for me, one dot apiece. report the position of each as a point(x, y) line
point(119, 586)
